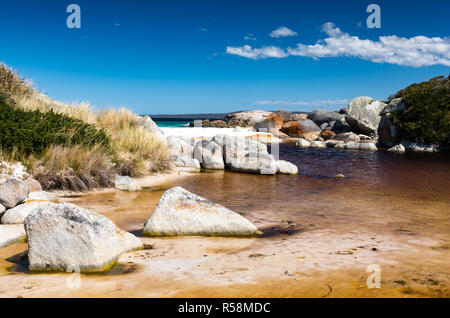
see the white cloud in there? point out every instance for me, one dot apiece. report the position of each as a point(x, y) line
point(416, 51)
point(249, 37)
point(282, 32)
point(203, 29)
point(256, 54)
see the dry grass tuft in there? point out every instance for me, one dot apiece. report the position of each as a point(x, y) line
point(136, 151)
point(73, 168)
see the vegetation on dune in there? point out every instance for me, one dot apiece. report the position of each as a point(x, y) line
point(33, 132)
point(426, 118)
point(70, 146)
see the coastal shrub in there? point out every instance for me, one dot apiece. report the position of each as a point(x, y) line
point(426, 118)
point(31, 132)
point(75, 167)
point(136, 152)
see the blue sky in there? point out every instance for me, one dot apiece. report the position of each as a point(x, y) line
point(168, 57)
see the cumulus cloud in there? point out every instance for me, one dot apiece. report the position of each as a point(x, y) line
point(416, 51)
point(249, 37)
point(256, 54)
point(282, 32)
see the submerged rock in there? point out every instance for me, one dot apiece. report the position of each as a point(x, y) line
point(397, 148)
point(62, 236)
point(285, 167)
point(180, 212)
point(125, 183)
point(317, 144)
point(13, 192)
point(330, 143)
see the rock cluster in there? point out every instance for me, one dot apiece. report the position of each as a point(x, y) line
point(234, 153)
point(20, 198)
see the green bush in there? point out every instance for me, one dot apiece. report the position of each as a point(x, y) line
point(426, 118)
point(29, 133)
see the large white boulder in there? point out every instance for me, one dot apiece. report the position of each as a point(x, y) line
point(10, 234)
point(62, 236)
point(180, 212)
point(149, 125)
point(41, 196)
point(364, 114)
point(210, 155)
point(125, 183)
point(18, 214)
point(303, 143)
point(285, 167)
point(13, 192)
point(243, 154)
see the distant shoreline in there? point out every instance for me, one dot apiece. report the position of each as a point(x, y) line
point(210, 116)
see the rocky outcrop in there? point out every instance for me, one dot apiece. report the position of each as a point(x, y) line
point(303, 128)
point(210, 156)
point(275, 121)
point(126, 183)
point(364, 114)
point(149, 125)
point(327, 134)
point(250, 117)
point(13, 192)
point(179, 148)
point(387, 130)
point(347, 137)
point(339, 127)
point(243, 154)
point(180, 212)
point(62, 236)
point(321, 117)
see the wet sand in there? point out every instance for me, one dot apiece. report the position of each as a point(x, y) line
point(320, 234)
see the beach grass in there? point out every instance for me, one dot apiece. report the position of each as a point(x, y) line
point(129, 149)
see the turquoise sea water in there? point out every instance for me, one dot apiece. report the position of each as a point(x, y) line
point(173, 122)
